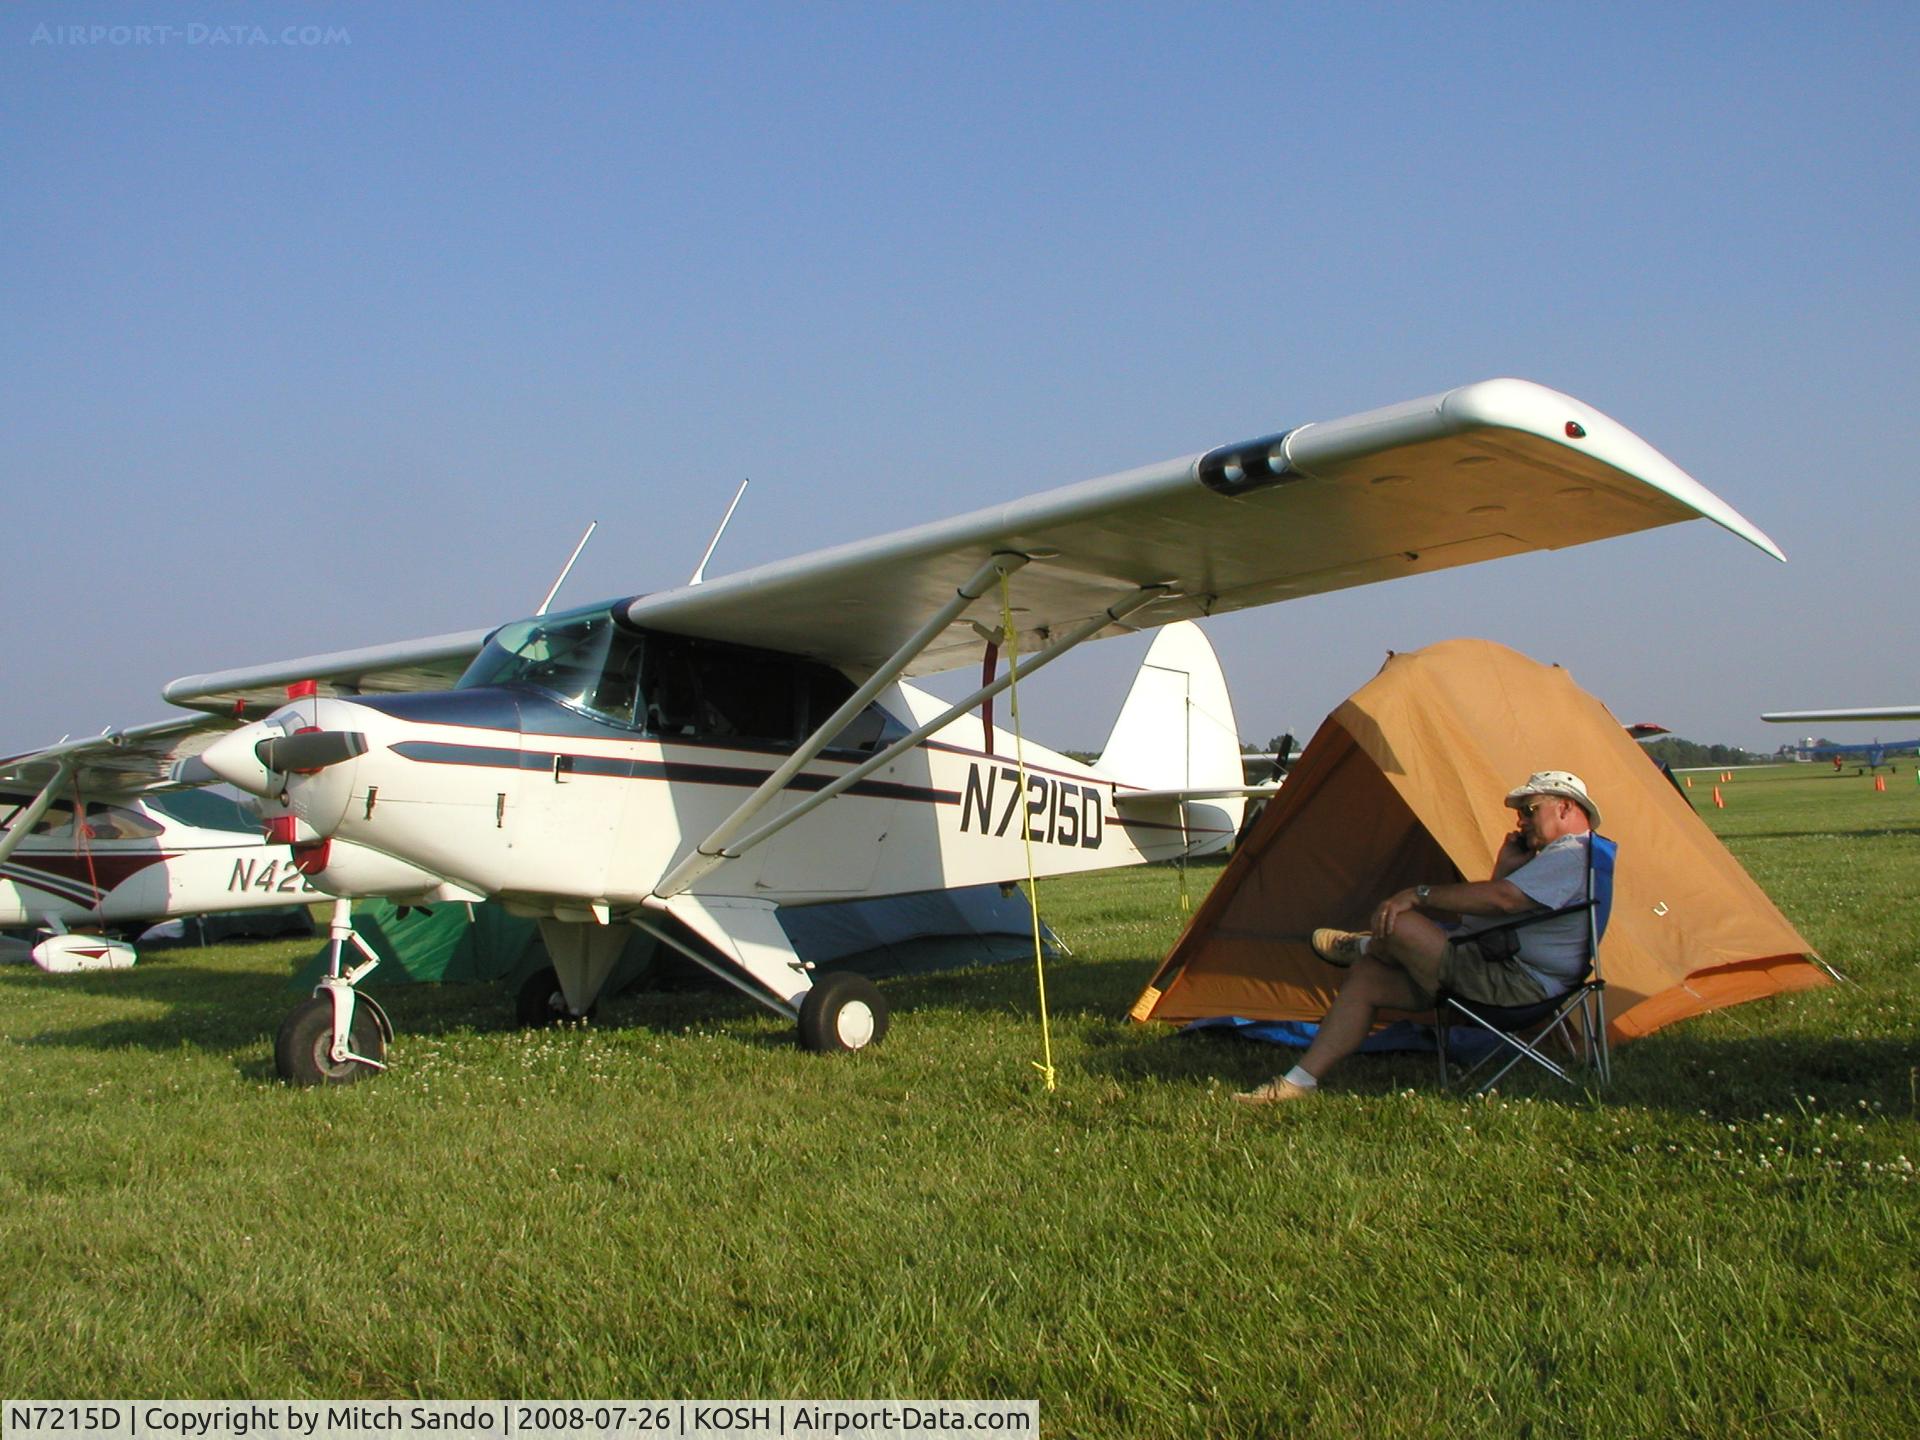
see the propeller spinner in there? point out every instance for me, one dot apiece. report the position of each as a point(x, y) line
point(257, 757)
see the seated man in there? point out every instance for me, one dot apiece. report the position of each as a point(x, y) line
point(1409, 956)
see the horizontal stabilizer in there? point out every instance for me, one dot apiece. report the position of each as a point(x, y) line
point(1124, 798)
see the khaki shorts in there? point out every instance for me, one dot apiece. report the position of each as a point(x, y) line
point(1470, 973)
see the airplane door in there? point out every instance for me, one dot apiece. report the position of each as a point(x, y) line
point(833, 851)
point(565, 811)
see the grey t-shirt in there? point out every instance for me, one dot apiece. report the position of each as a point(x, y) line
point(1554, 951)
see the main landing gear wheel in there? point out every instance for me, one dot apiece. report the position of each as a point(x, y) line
point(542, 1002)
point(303, 1050)
point(842, 1012)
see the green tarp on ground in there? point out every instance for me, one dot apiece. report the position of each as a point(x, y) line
point(443, 945)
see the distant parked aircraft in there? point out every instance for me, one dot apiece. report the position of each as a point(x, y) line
point(87, 842)
point(114, 829)
point(1873, 752)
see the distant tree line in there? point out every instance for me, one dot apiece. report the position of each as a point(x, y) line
point(1687, 754)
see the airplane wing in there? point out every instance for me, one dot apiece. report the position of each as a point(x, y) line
point(432, 663)
point(115, 762)
point(1498, 468)
point(1883, 712)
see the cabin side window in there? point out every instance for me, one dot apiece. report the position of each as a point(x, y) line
point(112, 822)
point(103, 822)
point(674, 686)
point(706, 690)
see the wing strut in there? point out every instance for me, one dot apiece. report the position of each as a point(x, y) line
point(24, 822)
point(710, 848)
point(721, 845)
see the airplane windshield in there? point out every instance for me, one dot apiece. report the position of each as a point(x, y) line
point(582, 657)
point(674, 686)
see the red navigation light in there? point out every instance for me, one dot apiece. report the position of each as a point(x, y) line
point(1575, 430)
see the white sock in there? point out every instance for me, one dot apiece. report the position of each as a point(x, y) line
point(1301, 1078)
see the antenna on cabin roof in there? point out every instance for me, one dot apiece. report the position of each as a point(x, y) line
point(567, 569)
point(700, 570)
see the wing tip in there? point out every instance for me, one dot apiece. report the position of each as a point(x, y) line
point(1512, 403)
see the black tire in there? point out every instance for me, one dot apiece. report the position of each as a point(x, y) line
point(302, 1049)
point(541, 1002)
point(842, 1012)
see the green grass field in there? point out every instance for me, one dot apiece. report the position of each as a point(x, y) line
point(677, 1202)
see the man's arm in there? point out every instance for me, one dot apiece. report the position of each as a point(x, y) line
point(1468, 897)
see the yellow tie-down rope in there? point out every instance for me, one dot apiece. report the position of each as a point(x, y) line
point(1012, 640)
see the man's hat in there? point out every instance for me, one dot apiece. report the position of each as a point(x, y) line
point(1562, 784)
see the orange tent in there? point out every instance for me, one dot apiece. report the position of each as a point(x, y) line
point(1405, 783)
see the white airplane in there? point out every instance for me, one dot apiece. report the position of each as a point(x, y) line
point(708, 754)
point(1874, 752)
point(87, 839)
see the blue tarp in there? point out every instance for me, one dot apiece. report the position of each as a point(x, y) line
point(1464, 1042)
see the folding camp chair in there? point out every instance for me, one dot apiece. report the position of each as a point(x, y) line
point(1518, 1031)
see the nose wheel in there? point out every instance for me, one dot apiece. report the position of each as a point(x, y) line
point(340, 1035)
point(303, 1051)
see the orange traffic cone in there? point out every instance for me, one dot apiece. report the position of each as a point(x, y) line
point(1718, 803)
point(1880, 783)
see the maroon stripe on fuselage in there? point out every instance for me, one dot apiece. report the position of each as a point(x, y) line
point(105, 869)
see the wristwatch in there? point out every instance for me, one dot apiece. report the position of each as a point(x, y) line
point(1421, 892)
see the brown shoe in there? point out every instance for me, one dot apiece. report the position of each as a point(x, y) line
point(1339, 947)
point(1273, 1092)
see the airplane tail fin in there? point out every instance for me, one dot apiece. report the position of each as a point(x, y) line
point(1176, 733)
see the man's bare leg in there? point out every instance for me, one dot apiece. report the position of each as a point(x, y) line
point(1400, 971)
point(1373, 984)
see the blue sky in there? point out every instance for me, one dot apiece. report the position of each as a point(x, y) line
point(328, 337)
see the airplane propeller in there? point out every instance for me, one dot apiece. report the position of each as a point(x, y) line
point(309, 750)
